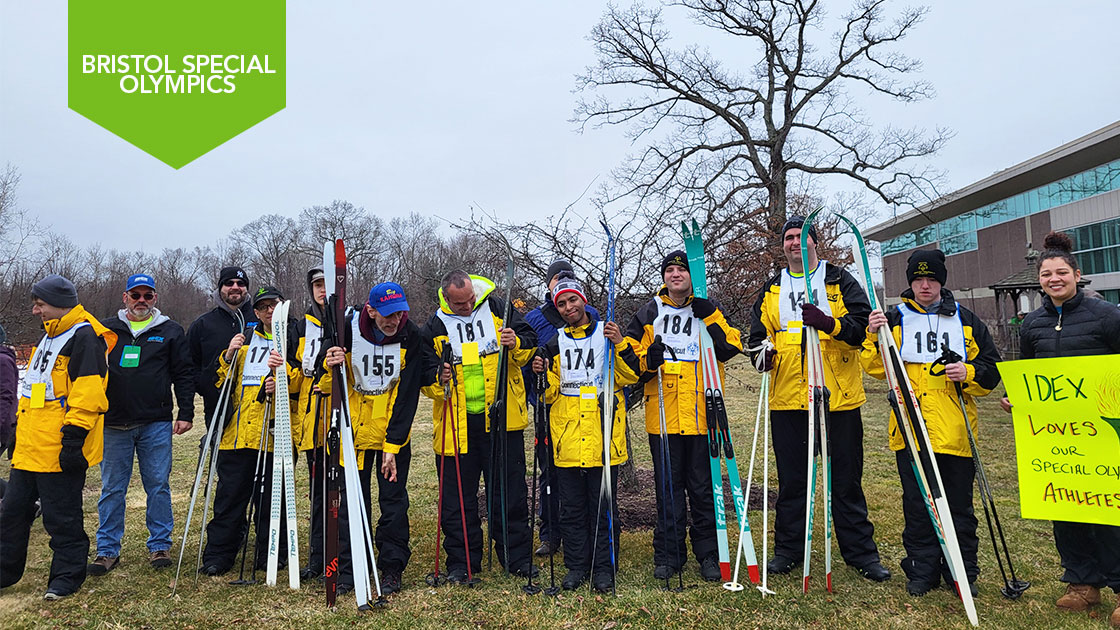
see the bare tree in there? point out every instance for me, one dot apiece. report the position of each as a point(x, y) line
point(728, 144)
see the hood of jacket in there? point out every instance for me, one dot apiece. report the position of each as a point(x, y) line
point(156, 319)
point(483, 287)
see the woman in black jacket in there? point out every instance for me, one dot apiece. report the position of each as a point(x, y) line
point(1069, 323)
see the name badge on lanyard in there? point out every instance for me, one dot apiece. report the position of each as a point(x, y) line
point(130, 356)
point(256, 360)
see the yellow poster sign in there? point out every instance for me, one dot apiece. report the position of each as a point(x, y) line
point(1066, 413)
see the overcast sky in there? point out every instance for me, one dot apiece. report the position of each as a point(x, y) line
point(402, 108)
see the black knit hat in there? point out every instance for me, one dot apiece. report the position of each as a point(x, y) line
point(797, 221)
point(556, 267)
point(56, 291)
point(676, 257)
point(926, 263)
point(232, 273)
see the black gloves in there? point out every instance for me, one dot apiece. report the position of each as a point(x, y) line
point(655, 355)
point(703, 308)
point(815, 317)
point(70, 458)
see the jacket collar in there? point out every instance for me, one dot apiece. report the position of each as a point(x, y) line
point(579, 332)
point(1067, 306)
point(156, 319)
point(663, 295)
point(483, 287)
point(78, 315)
point(948, 302)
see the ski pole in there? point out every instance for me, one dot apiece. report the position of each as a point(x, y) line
point(530, 588)
point(765, 485)
point(669, 506)
point(215, 419)
point(258, 473)
point(471, 579)
point(435, 579)
point(734, 584)
point(1013, 588)
point(550, 483)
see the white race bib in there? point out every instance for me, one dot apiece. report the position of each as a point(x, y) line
point(312, 341)
point(376, 368)
point(477, 329)
point(256, 360)
point(43, 360)
point(922, 335)
point(581, 361)
point(792, 295)
point(680, 330)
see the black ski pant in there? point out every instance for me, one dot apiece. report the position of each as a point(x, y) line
point(690, 477)
point(583, 518)
point(854, 532)
point(316, 473)
point(61, 496)
point(391, 536)
point(475, 463)
point(1090, 553)
point(227, 528)
point(925, 561)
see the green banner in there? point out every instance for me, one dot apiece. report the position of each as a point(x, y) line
point(176, 79)
point(1067, 436)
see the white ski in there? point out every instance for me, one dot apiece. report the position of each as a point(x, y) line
point(283, 477)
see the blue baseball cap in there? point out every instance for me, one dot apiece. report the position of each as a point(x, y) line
point(140, 280)
point(388, 298)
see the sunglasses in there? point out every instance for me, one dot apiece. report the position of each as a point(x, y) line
point(147, 297)
point(234, 283)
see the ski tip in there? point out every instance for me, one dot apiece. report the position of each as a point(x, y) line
point(339, 252)
point(695, 228)
point(752, 573)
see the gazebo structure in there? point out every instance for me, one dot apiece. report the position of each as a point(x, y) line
point(1011, 290)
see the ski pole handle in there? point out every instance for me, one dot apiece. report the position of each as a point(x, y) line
point(947, 356)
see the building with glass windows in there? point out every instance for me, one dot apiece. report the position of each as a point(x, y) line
point(989, 229)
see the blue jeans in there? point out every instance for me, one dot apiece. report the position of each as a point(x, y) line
point(151, 444)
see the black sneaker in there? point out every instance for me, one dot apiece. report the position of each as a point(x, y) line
point(457, 575)
point(53, 596)
point(663, 572)
point(781, 565)
point(341, 589)
point(709, 569)
point(919, 587)
point(547, 548)
point(310, 572)
point(573, 580)
point(214, 569)
point(875, 572)
point(603, 582)
point(525, 570)
point(390, 583)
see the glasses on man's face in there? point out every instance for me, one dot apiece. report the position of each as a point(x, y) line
point(234, 283)
point(266, 307)
point(147, 297)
